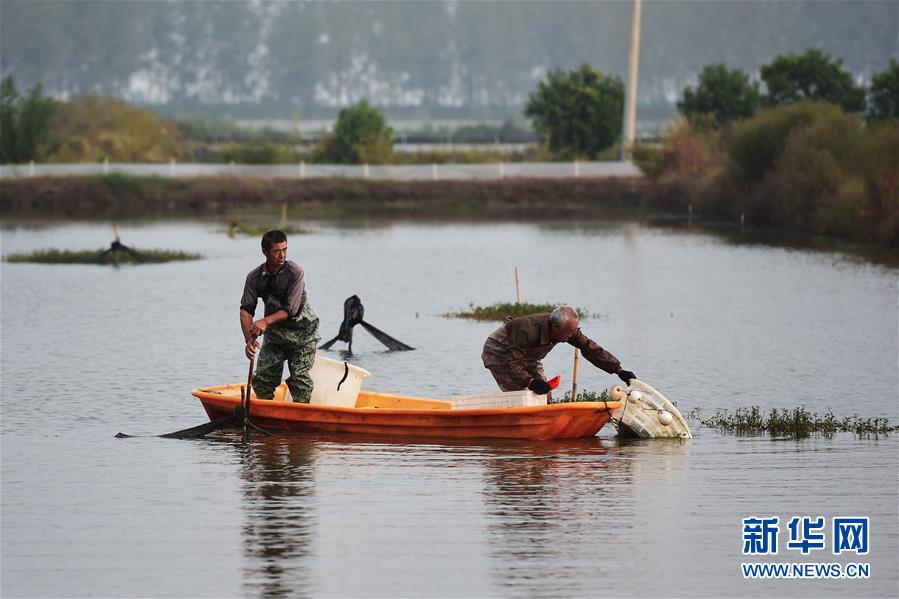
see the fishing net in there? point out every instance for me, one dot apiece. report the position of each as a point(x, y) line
point(353, 313)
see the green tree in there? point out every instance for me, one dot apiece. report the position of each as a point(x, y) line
point(9, 103)
point(814, 75)
point(577, 112)
point(24, 122)
point(722, 94)
point(360, 136)
point(884, 96)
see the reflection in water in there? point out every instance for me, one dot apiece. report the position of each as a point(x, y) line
point(277, 502)
point(567, 503)
point(542, 502)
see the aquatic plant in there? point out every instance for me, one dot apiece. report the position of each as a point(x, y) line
point(795, 422)
point(584, 396)
point(101, 256)
point(500, 310)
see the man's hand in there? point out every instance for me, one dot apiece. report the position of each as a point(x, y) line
point(250, 349)
point(541, 387)
point(258, 327)
point(626, 376)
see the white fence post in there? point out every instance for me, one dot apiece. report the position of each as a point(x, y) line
point(433, 171)
point(31, 168)
point(502, 170)
point(366, 172)
point(302, 169)
point(106, 166)
point(171, 167)
point(577, 168)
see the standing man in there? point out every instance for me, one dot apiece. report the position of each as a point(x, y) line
point(289, 328)
point(514, 351)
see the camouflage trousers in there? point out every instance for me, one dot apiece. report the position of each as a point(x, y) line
point(508, 382)
point(295, 344)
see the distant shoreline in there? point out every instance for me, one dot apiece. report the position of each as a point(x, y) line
point(263, 202)
point(129, 196)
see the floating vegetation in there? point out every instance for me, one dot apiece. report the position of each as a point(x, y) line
point(500, 310)
point(796, 422)
point(584, 396)
point(102, 256)
point(237, 228)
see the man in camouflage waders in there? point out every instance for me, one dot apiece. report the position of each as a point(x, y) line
point(289, 327)
point(514, 351)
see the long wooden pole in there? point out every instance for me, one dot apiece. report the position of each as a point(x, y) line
point(577, 354)
point(246, 405)
point(517, 288)
point(630, 104)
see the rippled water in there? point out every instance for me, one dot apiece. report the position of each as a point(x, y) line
point(89, 351)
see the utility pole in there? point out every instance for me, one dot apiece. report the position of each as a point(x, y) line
point(630, 101)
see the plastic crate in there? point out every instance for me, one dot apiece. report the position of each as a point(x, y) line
point(507, 399)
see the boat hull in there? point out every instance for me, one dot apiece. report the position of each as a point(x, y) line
point(554, 421)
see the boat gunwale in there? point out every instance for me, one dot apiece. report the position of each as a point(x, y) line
point(210, 393)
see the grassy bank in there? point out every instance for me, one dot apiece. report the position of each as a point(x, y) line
point(122, 195)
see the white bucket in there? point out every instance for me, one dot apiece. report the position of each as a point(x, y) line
point(326, 376)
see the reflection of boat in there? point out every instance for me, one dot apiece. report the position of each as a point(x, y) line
point(386, 414)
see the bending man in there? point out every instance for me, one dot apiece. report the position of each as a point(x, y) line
point(289, 327)
point(514, 351)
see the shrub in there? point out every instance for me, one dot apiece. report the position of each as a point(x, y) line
point(876, 163)
point(808, 166)
point(793, 165)
point(686, 167)
point(93, 128)
point(754, 145)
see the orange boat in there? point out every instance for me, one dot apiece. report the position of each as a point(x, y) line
point(397, 415)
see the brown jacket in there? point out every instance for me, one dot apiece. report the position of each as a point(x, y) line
point(517, 347)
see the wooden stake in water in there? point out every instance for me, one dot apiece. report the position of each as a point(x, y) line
point(517, 288)
point(118, 236)
point(577, 354)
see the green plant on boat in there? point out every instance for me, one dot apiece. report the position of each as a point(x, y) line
point(795, 422)
point(237, 228)
point(52, 256)
point(500, 310)
point(584, 396)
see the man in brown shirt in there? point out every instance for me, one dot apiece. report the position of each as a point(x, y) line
point(514, 351)
point(289, 327)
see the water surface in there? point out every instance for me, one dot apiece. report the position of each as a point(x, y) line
point(88, 351)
